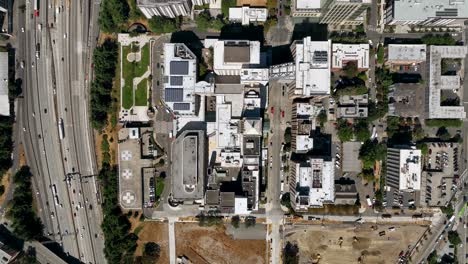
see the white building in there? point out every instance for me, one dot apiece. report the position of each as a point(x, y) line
point(180, 75)
point(343, 53)
point(312, 67)
point(4, 101)
point(306, 8)
point(313, 183)
point(406, 53)
point(231, 57)
point(404, 167)
point(426, 12)
point(438, 83)
point(303, 122)
point(247, 15)
point(168, 8)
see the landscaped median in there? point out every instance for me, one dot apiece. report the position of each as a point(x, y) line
point(135, 72)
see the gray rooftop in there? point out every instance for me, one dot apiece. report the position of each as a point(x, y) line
point(423, 9)
point(239, 54)
point(179, 67)
point(188, 165)
point(4, 102)
point(174, 95)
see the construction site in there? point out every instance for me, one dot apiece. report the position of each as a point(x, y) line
point(212, 245)
point(353, 243)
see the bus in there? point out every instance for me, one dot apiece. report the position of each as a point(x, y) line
point(36, 8)
point(61, 129)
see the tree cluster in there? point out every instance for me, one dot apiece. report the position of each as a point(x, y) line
point(105, 59)
point(348, 37)
point(151, 254)
point(113, 14)
point(443, 122)
point(26, 224)
point(438, 39)
point(361, 130)
point(6, 143)
point(371, 152)
point(120, 244)
point(210, 218)
point(205, 21)
point(454, 238)
point(383, 79)
point(345, 130)
point(352, 90)
point(160, 25)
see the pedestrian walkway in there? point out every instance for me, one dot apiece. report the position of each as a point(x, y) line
point(172, 242)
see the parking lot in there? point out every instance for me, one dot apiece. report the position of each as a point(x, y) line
point(442, 168)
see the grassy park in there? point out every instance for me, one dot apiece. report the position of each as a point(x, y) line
point(131, 70)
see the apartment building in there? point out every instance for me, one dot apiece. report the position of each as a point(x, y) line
point(247, 14)
point(344, 12)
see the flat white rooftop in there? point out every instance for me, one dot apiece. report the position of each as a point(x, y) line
point(399, 53)
point(308, 4)
point(318, 176)
point(304, 143)
point(410, 169)
point(343, 53)
point(312, 60)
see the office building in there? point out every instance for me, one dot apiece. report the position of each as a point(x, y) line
point(404, 167)
point(426, 12)
point(303, 122)
point(312, 67)
point(307, 8)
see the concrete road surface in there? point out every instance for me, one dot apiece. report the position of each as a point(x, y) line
point(56, 90)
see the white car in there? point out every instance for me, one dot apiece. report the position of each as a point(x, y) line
point(65, 35)
point(22, 29)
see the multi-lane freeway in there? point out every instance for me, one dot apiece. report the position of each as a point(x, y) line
point(56, 47)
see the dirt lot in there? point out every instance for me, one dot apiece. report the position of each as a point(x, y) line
point(259, 3)
point(153, 232)
point(212, 245)
point(374, 248)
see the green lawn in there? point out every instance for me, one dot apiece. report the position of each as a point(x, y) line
point(131, 70)
point(141, 93)
point(159, 187)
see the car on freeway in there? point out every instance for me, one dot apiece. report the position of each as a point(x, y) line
point(282, 113)
point(272, 110)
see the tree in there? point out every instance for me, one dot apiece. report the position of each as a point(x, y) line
point(447, 210)
point(454, 238)
point(225, 5)
point(205, 21)
point(432, 258)
point(26, 224)
point(286, 200)
point(345, 130)
point(160, 25)
point(287, 135)
point(105, 60)
point(418, 132)
point(361, 130)
point(113, 14)
point(250, 221)
point(291, 253)
point(152, 250)
point(235, 220)
point(351, 69)
point(380, 54)
point(322, 117)
point(443, 134)
point(443, 122)
point(423, 147)
point(370, 152)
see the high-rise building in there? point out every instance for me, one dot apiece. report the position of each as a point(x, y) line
point(426, 12)
point(404, 167)
point(344, 12)
point(335, 12)
point(168, 8)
